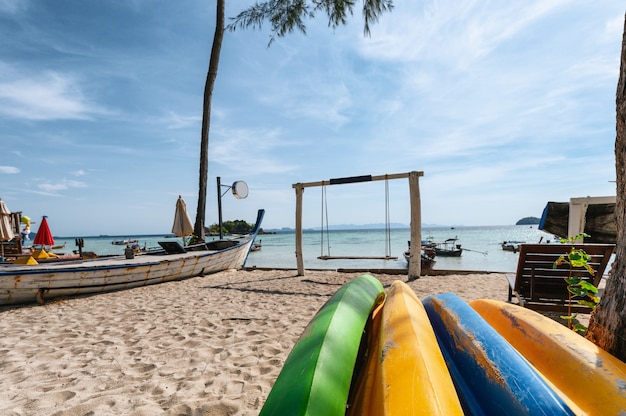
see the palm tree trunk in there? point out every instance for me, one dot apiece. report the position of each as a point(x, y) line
point(607, 326)
point(198, 229)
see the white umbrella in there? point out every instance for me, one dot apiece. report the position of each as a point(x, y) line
point(182, 223)
point(6, 231)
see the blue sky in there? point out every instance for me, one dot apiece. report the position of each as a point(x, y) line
point(503, 105)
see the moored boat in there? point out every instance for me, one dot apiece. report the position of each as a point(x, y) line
point(34, 283)
point(427, 259)
point(447, 248)
point(512, 245)
point(123, 242)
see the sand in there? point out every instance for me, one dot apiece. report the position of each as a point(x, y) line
point(210, 345)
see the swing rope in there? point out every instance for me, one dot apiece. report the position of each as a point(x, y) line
point(387, 221)
point(322, 229)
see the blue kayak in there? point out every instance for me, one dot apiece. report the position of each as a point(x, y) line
point(490, 376)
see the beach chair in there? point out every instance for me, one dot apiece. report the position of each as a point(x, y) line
point(172, 247)
point(539, 286)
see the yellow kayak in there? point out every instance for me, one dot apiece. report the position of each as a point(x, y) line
point(589, 379)
point(405, 370)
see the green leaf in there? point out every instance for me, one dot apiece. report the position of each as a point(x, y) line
point(574, 280)
point(579, 328)
point(577, 291)
point(587, 303)
point(588, 286)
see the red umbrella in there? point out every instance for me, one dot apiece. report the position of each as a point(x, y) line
point(43, 236)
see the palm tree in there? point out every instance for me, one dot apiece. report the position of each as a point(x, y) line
point(284, 15)
point(607, 326)
point(198, 228)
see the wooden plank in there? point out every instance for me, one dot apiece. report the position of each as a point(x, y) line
point(540, 286)
point(339, 181)
point(357, 258)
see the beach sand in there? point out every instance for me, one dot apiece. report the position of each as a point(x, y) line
point(207, 346)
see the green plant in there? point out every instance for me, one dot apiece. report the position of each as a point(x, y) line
point(586, 292)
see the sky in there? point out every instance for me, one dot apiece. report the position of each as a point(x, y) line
point(503, 105)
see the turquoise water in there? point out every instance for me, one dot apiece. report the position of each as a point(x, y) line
point(482, 247)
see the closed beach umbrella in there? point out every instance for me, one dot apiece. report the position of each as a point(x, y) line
point(6, 231)
point(43, 236)
point(182, 223)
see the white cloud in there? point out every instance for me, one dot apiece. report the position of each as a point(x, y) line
point(177, 121)
point(452, 32)
point(61, 186)
point(232, 148)
point(12, 6)
point(9, 169)
point(46, 96)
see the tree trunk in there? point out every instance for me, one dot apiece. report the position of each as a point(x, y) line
point(607, 326)
point(198, 228)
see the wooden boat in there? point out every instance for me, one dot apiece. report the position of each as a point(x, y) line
point(490, 376)
point(564, 358)
point(447, 248)
point(34, 283)
point(315, 379)
point(123, 242)
point(512, 245)
point(405, 373)
point(427, 258)
point(256, 246)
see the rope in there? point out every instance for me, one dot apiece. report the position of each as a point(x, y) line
point(325, 227)
point(387, 220)
point(324, 211)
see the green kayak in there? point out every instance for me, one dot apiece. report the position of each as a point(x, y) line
point(315, 379)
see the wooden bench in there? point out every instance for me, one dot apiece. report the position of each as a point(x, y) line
point(539, 286)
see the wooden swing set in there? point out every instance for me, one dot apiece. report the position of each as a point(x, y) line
point(414, 269)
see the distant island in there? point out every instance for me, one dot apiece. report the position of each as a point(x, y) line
point(528, 221)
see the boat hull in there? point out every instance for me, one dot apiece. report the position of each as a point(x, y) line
point(492, 378)
point(405, 373)
point(315, 379)
point(20, 284)
point(567, 360)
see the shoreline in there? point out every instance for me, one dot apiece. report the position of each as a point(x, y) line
point(207, 345)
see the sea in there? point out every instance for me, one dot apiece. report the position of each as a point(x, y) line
point(482, 247)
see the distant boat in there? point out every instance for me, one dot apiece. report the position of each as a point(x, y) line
point(447, 248)
point(513, 246)
point(123, 242)
point(256, 246)
point(427, 261)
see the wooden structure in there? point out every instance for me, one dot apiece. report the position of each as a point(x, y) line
point(14, 246)
point(416, 217)
point(592, 215)
point(539, 286)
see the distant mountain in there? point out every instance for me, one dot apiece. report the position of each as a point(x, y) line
point(528, 221)
point(361, 226)
point(378, 226)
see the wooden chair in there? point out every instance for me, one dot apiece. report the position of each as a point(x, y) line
point(539, 286)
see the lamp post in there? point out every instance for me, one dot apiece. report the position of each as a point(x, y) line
point(239, 190)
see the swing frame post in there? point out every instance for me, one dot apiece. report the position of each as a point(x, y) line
point(414, 267)
point(300, 261)
point(415, 253)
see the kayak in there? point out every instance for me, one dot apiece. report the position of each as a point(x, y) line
point(591, 379)
point(407, 374)
point(491, 377)
point(315, 379)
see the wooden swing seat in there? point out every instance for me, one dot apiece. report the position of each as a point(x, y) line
point(357, 258)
